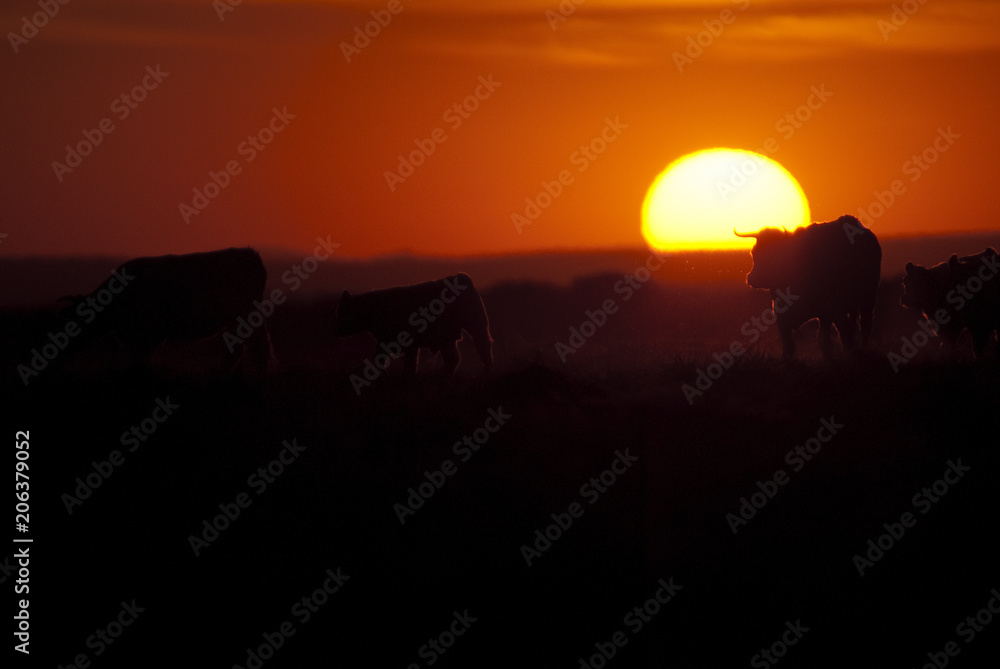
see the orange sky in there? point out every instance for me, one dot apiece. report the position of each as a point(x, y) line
point(609, 68)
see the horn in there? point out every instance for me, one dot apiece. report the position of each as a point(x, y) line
point(744, 234)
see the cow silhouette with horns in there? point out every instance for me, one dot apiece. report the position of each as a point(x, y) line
point(828, 271)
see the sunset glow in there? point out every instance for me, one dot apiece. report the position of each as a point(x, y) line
point(391, 142)
point(697, 201)
point(399, 319)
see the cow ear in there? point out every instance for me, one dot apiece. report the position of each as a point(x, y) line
point(953, 260)
point(990, 252)
point(909, 268)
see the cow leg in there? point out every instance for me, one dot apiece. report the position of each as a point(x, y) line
point(980, 340)
point(824, 337)
point(866, 326)
point(236, 356)
point(451, 358)
point(259, 352)
point(787, 340)
point(949, 348)
point(484, 346)
point(410, 360)
point(949, 342)
point(848, 329)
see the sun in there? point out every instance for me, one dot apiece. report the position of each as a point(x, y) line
point(697, 201)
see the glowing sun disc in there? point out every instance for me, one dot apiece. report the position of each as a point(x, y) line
point(695, 203)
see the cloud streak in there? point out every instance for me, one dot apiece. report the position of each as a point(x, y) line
point(598, 33)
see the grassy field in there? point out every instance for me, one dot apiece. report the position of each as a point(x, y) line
point(661, 521)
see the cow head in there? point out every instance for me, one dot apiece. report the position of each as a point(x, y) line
point(773, 255)
point(924, 288)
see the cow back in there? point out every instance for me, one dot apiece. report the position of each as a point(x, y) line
point(434, 313)
point(185, 296)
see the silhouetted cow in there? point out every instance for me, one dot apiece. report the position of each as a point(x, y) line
point(963, 293)
point(425, 315)
point(147, 301)
point(831, 272)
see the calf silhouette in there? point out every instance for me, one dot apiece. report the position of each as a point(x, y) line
point(430, 315)
point(960, 294)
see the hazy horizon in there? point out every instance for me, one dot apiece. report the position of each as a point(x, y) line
point(36, 280)
point(390, 253)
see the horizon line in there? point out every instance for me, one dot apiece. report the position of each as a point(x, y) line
point(555, 250)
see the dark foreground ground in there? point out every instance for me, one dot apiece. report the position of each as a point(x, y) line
point(209, 597)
